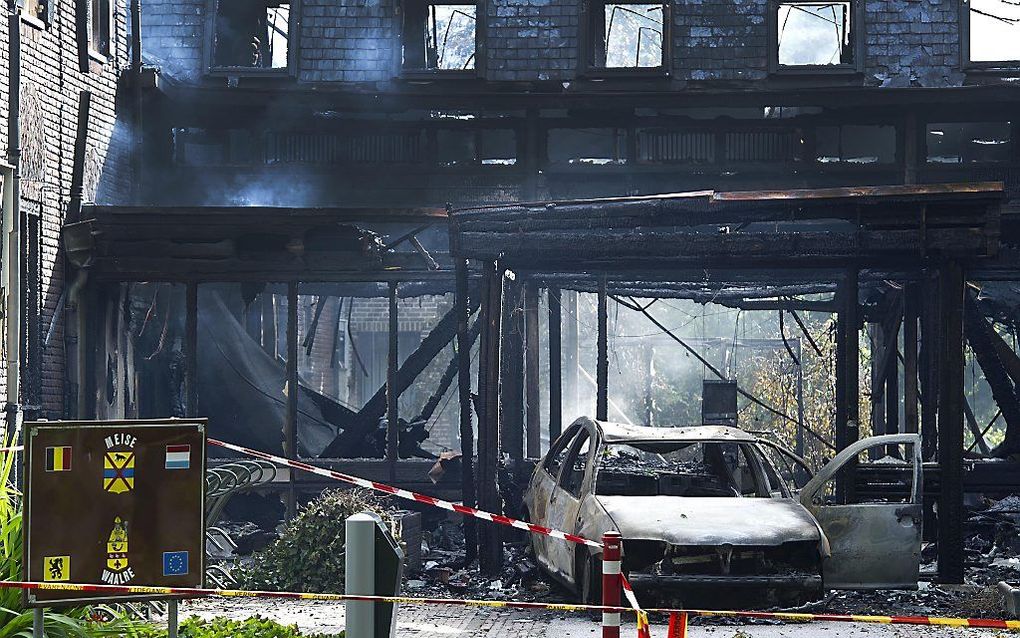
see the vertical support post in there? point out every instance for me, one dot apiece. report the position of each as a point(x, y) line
point(490, 556)
point(532, 402)
point(268, 303)
point(392, 425)
point(555, 365)
point(467, 436)
point(568, 299)
point(290, 423)
point(950, 425)
point(649, 367)
point(511, 360)
point(847, 379)
point(612, 589)
point(930, 347)
point(171, 618)
point(602, 365)
point(878, 380)
point(910, 307)
point(799, 439)
point(359, 575)
point(191, 349)
point(38, 623)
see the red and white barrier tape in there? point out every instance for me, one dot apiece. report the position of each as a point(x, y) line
point(643, 629)
point(409, 495)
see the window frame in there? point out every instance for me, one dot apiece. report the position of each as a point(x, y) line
point(95, 53)
point(293, 40)
point(592, 37)
point(988, 66)
point(422, 73)
point(858, 15)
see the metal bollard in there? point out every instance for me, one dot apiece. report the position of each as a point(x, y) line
point(359, 575)
point(611, 586)
point(38, 622)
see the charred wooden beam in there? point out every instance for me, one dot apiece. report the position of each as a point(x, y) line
point(975, 429)
point(467, 437)
point(950, 425)
point(489, 536)
point(910, 316)
point(191, 350)
point(532, 376)
point(602, 362)
point(393, 391)
point(290, 437)
point(847, 377)
point(555, 364)
point(931, 347)
point(571, 355)
point(511, 365)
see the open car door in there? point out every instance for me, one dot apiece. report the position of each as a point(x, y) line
point(874, 545)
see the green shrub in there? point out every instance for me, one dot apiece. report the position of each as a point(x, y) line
point(309, 555)
point(255, 627)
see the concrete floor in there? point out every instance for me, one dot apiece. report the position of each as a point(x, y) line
point(463, 622)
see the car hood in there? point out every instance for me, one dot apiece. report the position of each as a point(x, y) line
point(711, 521)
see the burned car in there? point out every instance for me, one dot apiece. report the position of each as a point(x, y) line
point(704, 506)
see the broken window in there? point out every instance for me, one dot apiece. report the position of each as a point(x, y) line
point(814, 34)
point(598, 146)
point(40, 11)
point(439, 36)
point(486, 147)
point(677, 468)
point(994, 31)
point(100, 19)
point(252, 34)
point(968, 142)
point(855, 144)
point(628, 35)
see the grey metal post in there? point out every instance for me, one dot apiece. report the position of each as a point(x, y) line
point(38, 624)
point(171, 619)
point(359, 575)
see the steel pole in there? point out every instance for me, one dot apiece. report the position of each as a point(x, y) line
point(359, 575)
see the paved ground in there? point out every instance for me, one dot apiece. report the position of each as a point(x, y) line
point(464, 622)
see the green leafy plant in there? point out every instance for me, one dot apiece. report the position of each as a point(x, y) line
point(254, 627)
point(309, 555)
point(15, 618)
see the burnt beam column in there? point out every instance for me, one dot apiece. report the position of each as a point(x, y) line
point(847, 377)
point(511, 358)
point(532, 369)
point(191, 349)
point(555, 365)
point(568, 302)
point(490, 556)
point(467, 434)
point(931, 340)
point(950, 425)
point(910, 312)
point(392, 393)
point(290, 423)
point(602, 364)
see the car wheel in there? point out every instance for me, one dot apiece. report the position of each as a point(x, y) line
point(590, 576)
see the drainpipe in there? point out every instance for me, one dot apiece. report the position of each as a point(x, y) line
point(136, 64)
point(12, 212)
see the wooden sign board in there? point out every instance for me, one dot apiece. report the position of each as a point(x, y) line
point(113, 503)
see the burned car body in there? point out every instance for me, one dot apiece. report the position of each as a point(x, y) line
point(703, 505)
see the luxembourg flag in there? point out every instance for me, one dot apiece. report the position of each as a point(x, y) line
point(178, 457)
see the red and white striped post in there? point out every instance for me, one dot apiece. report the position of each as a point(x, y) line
point(611, 586)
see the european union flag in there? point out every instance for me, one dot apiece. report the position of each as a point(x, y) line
point(175, 563)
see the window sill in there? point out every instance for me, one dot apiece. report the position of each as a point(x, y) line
point(816, 70)
point(438, 74)
point(248, 72)
point(1008, 68)
point(98, 57)
point(33, 21)
point(625, 73)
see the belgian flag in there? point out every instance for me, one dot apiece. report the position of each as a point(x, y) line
point(58, 459)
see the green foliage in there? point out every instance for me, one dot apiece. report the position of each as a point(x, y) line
point(255, 627)
point(15, 618)
point(309, 555)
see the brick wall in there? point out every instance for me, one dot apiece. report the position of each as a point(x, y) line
point(908, 42)
point(51, 80)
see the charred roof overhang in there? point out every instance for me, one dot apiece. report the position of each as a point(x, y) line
point(895, 227)
point(251, 243)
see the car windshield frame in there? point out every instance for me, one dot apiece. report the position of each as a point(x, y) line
point(669, 483)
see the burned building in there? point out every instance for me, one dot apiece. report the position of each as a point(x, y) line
point(327, 192)
point(63, 64)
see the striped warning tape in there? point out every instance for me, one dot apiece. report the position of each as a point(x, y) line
point(240, 593)
point(643, 629)
point(409, 495)
point(981, 623)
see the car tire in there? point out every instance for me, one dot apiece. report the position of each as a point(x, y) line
point(590, 585)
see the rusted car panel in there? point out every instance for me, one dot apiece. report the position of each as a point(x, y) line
point(711, 521)
point(872, 545)
point(702, 506)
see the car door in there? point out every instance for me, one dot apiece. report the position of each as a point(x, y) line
point(785, 465)
point(875, 544)
point(541, 492)
point(566, 503)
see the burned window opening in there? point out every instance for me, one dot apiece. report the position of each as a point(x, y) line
point(705, 469)
point(665, 146)
point(252, 34)
point(968, 142)
point(631, 36)
point(993, 32)
point(814, 34)
point(440, 36)
point(592, 146)
point(855, 144)
point(497, 147)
